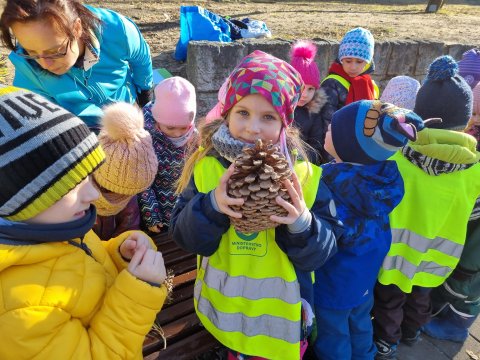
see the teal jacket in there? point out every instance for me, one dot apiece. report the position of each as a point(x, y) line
point(124, 68)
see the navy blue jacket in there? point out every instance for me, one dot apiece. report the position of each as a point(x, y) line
point(364, 195)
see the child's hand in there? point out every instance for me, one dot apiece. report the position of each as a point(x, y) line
point(148, 265)
point(156, 228)
point(295, 209)
point(223, 200)
point(136, 239)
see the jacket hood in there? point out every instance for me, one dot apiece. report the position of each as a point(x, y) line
point(319, 100)
point(369, 191)
point(439, 151)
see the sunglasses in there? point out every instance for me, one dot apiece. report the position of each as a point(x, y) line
point(55, 55)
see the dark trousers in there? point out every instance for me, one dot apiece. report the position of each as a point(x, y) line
point(394, 311)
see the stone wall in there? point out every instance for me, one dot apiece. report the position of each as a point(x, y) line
point(209, 63)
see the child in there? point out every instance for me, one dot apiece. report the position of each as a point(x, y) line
point(456, 303)
point(469, 67)
point(348, 78)
point(130, 167)
point(441, 175)
point(307, 113)
point(366, 188)
point(65, 294)
point(170, 121)
point(247, 291)
point(473, 126)
point(401, 91)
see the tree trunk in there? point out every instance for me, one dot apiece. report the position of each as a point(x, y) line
point(434, 5)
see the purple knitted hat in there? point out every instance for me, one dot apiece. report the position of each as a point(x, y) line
point(469, 67)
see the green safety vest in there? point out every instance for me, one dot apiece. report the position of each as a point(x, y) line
point(346, 84)
point(428, 226)
point(247, 294)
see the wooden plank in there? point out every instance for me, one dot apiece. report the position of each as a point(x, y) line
point(184, 266)
point(177, 256)
point(184, 278)
point(175, 311)
point(194, 345)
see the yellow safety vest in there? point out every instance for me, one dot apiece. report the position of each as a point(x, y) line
point(428, 226)
point(346, 84)
point(247, 294)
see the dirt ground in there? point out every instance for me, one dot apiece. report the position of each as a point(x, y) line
point(457, 22)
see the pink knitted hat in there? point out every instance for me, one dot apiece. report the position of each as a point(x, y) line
point(401, 91)
point(216, 112)
point(175, 102)
point(302, 58)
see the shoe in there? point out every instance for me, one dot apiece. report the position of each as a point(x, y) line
point(410, 337)
point(452, 326)
point(385, 350)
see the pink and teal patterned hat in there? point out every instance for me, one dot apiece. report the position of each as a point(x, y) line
point(274, 79)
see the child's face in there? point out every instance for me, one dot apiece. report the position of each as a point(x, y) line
point(254, 118)
point(328, 146)
point(307, 95)
point(72, 206)
point(353, 66)
point(173, 131)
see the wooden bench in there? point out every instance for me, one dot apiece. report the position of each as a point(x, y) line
point(185, 337)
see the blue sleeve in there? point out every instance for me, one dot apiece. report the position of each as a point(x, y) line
point(26, 77)
point(312, 248)
point(195, 225)
point(140, 60)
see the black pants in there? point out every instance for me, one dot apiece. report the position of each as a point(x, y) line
point(394, 311)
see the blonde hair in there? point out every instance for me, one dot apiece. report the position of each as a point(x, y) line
point(296, 146)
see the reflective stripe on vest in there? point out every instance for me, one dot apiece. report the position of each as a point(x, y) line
point(428, 226)
point(346, 84)
point(247, 294)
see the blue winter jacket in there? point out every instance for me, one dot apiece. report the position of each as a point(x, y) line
point(123, 70)
point(364, 195)
point(198, 228)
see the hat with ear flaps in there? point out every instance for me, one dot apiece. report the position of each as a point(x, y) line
point(368, 131)
point(445, 94)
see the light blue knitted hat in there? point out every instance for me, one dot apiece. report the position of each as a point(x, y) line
point(357, 43)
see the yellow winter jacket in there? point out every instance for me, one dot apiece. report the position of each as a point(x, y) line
point(57, 302)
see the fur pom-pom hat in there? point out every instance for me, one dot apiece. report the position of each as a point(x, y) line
point(445, 94)
point(302, 58)
point(131, 163)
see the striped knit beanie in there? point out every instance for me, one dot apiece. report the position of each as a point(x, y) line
point(357, 43)
point(45, 152)
point(469, 67)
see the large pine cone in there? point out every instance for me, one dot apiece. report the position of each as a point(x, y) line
point(258, 179)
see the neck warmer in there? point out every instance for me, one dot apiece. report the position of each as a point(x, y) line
point(111, 203)
point(361, 86)
point(227, 146)
point(21, 233)
point(182, 140)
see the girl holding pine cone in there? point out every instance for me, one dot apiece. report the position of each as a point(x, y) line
point(256, 216)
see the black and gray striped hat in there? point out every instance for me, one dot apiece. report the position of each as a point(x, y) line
point(45, 151)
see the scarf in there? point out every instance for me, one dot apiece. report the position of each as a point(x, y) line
point(226, 145)
point(110, 203)
point(180, 141)
point(361, 86)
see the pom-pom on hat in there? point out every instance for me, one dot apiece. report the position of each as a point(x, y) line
point(264, 74)
point(445, 94)
point(131, 163)
point(175, 102)
point(357, 43)
point(302, 58)
point(368, 131)
point(469, 67)
point(45, 152)
point(401, 91)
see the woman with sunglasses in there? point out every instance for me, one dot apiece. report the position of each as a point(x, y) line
point(77, 56)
